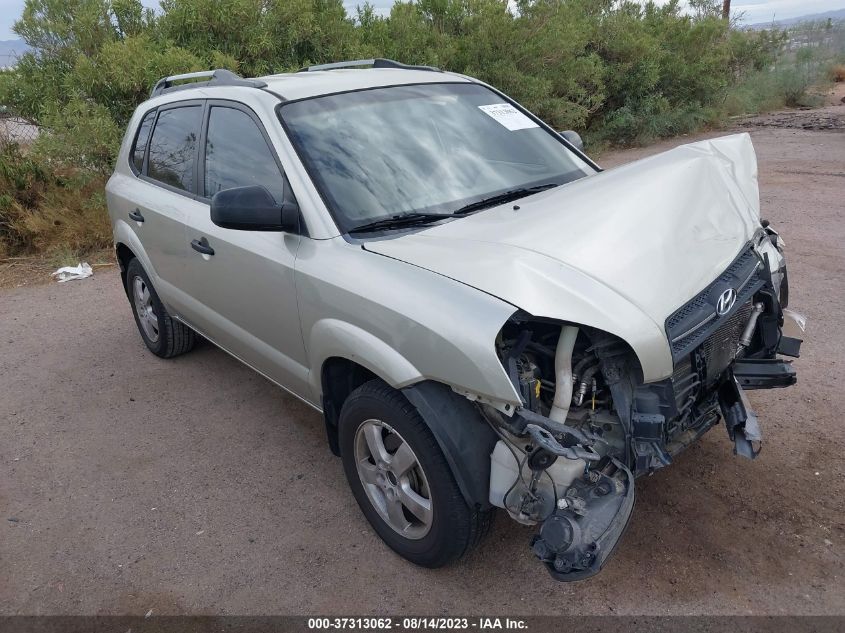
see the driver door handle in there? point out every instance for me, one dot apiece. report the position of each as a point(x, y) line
point(201, 246)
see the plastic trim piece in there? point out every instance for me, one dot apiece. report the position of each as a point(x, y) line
point(764, 373)
point(464, 437)
point(378, 62)
point(217, 77)
point(699, 316)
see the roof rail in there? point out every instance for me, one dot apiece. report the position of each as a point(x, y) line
point(378, 62)
point(218, 77)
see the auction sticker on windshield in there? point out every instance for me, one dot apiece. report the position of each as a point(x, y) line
point(508, 116)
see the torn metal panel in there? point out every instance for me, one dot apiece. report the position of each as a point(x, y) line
point(740, 419)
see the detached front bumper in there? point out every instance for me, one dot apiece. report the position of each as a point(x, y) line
point(755, 373)
point(764, 373)
point(728, 338)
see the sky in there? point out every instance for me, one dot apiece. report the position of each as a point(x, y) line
point(755, 10)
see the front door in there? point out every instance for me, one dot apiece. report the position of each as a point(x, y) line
point(241, 283)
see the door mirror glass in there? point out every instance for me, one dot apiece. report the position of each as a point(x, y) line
point(573, 137)
point(253, 208)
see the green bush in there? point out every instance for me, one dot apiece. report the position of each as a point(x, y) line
point(599, 66)
point(618, 71)
point(45, 209)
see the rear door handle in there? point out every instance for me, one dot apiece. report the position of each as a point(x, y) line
point(136, 215)
point(201, 246)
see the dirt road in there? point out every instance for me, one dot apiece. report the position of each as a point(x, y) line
point(128, 483)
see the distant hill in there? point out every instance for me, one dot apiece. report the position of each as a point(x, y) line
point(836, 14)
point(10, 50)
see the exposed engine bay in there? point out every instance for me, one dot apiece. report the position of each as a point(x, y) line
point(589, 425)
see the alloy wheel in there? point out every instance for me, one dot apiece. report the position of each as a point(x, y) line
point(393, 479)
point(144, 308)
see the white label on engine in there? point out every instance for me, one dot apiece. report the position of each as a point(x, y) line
point(508, 116)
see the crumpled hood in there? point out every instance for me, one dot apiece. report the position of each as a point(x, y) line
point(620, 250)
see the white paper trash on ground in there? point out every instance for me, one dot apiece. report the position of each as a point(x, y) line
point(69, 273)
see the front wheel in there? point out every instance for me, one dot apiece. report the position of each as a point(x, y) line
point(402, 481)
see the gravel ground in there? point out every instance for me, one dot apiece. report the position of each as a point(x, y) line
point(129, 483)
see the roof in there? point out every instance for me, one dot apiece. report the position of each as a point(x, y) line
point(317, 81)
point(321, 82)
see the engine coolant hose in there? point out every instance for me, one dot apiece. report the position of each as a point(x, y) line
point(563, 373)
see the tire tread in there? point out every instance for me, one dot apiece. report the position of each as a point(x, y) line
point(175, 338)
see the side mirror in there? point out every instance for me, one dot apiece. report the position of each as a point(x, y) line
point(574, 138)
point(252, 208)
point(290, 217)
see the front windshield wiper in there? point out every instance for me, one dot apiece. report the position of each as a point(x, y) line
point(399, 221)
point(501, 198)
point(416, 218)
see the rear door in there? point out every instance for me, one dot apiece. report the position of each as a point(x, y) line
point(164, 158)
point(243, 296)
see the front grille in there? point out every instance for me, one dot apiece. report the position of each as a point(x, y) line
point(674, 322)
point(695, 374)
point(697, 321)
point(741, 266)
point(695, 401)
point(686, 384)
point(721, 347)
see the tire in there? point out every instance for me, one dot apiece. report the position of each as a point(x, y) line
point(453, 527)
point(167, 337)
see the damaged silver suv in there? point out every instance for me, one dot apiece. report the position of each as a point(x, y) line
point(484, 317)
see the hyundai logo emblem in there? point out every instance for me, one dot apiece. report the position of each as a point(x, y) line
point(726, 301)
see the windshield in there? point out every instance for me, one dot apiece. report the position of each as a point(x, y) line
point(430, 148)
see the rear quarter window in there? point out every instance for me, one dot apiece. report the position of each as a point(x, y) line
point(139, 147)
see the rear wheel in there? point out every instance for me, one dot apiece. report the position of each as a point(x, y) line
point(402, 481)
point(163, 336)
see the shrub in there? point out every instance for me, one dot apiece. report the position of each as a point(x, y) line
point(79, 135)
point(619, 71)
point(578, 63)
point(44, 210)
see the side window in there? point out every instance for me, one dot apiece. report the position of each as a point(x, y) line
point(141, 140)
point(237, 155)
point(173, 146)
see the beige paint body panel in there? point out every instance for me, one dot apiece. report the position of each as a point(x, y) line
point(399, 321)
point(244, 298)
point(159, 241)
